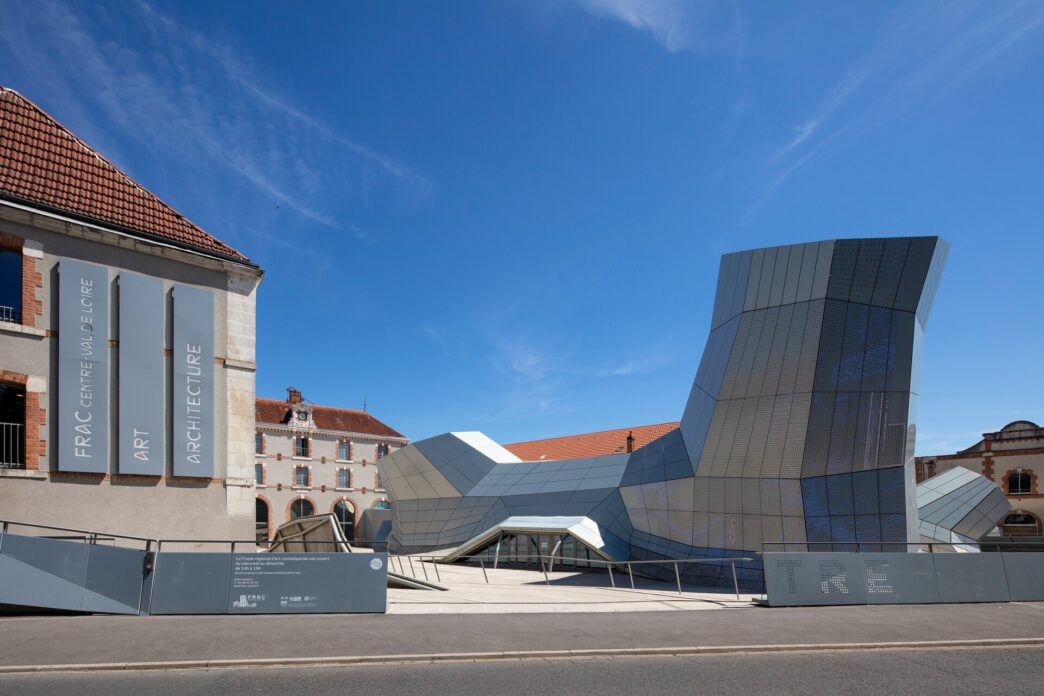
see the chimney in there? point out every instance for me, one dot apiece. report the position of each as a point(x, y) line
point(630, 441)
point(293, 395)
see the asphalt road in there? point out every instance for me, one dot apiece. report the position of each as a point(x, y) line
point(1008, 671)
point(94, 639)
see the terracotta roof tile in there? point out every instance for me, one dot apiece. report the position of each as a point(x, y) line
point(42, 163)
point(325, 417)
point(588, 444)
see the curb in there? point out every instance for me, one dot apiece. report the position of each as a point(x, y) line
point(354, 660)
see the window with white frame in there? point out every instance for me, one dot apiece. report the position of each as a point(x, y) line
point(301, 476)
point(382, 450)
point(344, 478)
point(11, 286)
point(301, 507)
point(344, 450)
point(259, 473)
point(302, 446)
point(1019, 483)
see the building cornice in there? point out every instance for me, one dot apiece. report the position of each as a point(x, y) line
point(283, 428)
point(54, 221)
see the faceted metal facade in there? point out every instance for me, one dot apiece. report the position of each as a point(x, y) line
point(960, 506)
point(798, 432)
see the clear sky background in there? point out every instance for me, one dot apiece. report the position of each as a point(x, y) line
point(508, 216)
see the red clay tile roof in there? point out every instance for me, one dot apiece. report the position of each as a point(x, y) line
point(46, 166)
point(325, 417)
point(588, 444)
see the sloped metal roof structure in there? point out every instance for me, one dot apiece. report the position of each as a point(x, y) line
point(959, 506)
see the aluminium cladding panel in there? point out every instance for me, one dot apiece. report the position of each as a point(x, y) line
point(142, 382)
point(83, 367)
point(193, 389)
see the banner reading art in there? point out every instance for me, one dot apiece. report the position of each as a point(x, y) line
point(83, 367)
point(142, 383)
point(192, 395)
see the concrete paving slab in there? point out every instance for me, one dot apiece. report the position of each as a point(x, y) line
point(474, 590)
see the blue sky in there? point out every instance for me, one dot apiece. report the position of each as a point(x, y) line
point(507, 216)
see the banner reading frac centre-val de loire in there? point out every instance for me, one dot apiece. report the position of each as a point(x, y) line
point(192, 395)
point(83, 367)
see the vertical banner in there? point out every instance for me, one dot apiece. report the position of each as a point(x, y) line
point(83, 367)
point(142, 377)
point(193, 391)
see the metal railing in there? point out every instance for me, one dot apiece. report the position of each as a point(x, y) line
point(989, 545)
point(12, 446)
point(10, 315)
point(547, 566)
point(70, 534)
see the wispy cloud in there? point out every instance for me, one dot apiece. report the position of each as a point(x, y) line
point(925, 52)
point(185, 96)
point(538, 380)
point(677, 25)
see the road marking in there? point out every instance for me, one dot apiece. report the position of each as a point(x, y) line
point(517, 655)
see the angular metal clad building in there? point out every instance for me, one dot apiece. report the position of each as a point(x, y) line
point(798, 432)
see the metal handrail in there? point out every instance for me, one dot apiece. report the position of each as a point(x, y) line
point(546, 560)
point(85, 533)
point(946, 546)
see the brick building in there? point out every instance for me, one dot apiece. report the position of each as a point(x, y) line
point(126, 348)
point(312, 459)
point(1013, 458)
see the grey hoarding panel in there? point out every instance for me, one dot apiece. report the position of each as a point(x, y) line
point(811, 579)
point(190, 583)
point(971, 577)
point(113, 582)
point(68, 575)
point(192, 395)
point(1025, 573)
point(142, 377)
point(900, 578)
point(296, 583)
point(83, 367)
point(38, 572)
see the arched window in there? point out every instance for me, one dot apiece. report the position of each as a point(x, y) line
point(382, 450)
point(301, 507)
point(344, 478)
point(1019, 483)
point(344, 450)
point(382, 505)
point(301, 475)
point(259, 473)
point(344, 511)
point(261, 519)
point(1021, 524)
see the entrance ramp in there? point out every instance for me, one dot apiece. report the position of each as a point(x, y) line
point(583, 529)
point(322, 533)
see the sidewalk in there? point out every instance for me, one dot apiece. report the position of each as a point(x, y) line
point(101, 639)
